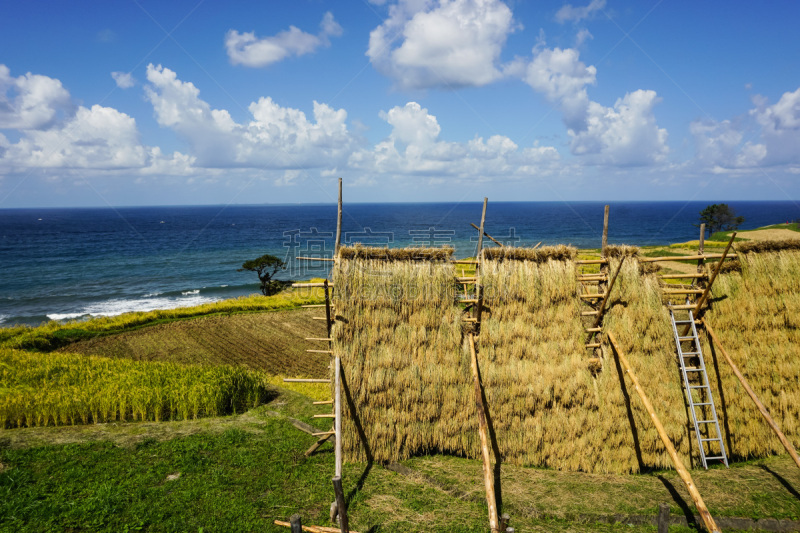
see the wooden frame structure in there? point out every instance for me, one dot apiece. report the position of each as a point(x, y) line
point(700, 287)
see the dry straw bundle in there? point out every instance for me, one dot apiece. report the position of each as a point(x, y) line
point(407, 373)
point(641, 325)
point(756, 314)
point(540, 393)
point(398, 333)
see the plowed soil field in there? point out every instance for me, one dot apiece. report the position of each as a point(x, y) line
point(273, 342)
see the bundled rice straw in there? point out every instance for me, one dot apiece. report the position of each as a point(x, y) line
point(405, 375)
point(756, 314)
point(409, 387)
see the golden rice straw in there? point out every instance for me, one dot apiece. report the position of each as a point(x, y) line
point(708, 520)
point(749, 390)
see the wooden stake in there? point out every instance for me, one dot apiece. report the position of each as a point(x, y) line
point(338, 223)
point(605, 231)
point(752, 394)
point(487, 235)
point(708, 520)
point(317, 444)
point(296, 523)
point(480, 230)
point(341, 506)
point(488, 477)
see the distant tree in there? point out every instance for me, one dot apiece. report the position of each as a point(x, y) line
point(720, 217)
point(266, 266)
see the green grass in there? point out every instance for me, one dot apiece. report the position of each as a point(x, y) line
point(254, 471)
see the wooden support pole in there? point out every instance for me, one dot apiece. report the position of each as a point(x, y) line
point(708, 520)
point(480, 230)
point(341, 506)
point(314, 447)
point(752, 394)
point(605, 231)
point(605, 298)
point(701, 246)
point(488, 477)
point(498, 243)
point(337, 405)
point(327, 306)
point(296, 523)
point(702, 299)
point(338, 243)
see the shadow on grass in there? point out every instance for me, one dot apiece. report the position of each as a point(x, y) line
point(788, 486)
point(362, 437)
point(685, 508)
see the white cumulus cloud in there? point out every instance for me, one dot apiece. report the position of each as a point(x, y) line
point(30, 101)
point(624, 135)
point(568, 12)
point(248, 50)
point(448, 43)
point(414, 149)
point(276, 137)
point(562, 77)
point(124, 80)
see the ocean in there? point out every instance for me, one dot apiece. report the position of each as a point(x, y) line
point(61, 264)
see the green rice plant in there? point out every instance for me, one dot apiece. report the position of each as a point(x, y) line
point(63, 388)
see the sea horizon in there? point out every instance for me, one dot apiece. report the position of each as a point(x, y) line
point(63, 263)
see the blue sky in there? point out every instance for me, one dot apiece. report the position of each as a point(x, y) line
point(200, 102)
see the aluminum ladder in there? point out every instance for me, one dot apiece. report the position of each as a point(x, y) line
point(695, 381)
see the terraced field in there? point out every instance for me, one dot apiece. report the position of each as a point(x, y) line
point(272, 341)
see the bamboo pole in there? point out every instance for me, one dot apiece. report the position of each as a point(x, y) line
point(498, 243)
point(605, 231)
point(315, 258)
point(752, 394)
point(708, 520)
point(488, 477)
point(312, 529)
point(338, 222)
point(678, 258)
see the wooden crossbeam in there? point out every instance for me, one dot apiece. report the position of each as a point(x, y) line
point(325, 415)
point(315, 258)
point(319, 351)
point(305, 380)
point(682, 276)
point(591, 261)
point(595, 295)
point(679, 258)
point(682, 291)
point(301, 285)
point(327, 339)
